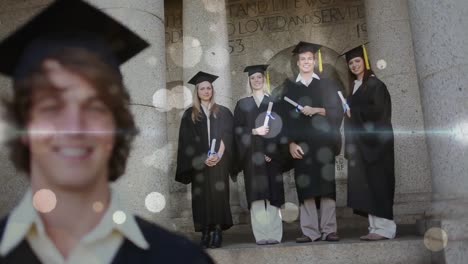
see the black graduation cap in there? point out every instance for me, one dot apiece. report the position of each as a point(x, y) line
point(256, 68)
point(359, 51)
point(354, 52)
point(201, 77)
point(67, 24)
point(303, 46)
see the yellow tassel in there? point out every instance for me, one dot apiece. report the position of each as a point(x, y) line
point(268, 82)
point(366, 58)
point(320, 61)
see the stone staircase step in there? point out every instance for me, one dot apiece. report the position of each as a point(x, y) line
point(239, 247)
point(404, 250)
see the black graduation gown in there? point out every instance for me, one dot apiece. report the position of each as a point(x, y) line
point(165, 247)
point(370, 150)
point(210, 185)
point(263, 180)
point(319, 136)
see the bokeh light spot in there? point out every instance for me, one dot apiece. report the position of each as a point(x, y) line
point(44, 201)
point(435, 239)
point(152, 61)
point(381, 64)
point(220, 186)
point(155, 202)
point(98, 207)
point(119, 217)
point(262, 217)
point(303, 181)
point(258, 158)
point(289, 212)
point(214, 6)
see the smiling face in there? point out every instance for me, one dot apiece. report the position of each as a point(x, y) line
point(306, 62)
point(70, 132)
point(356, 66)
point(257, 81)
point(205, 91)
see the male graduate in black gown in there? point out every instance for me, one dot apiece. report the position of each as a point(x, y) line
point(312, 113)
point(74, 133)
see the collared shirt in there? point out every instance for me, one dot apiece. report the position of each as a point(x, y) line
point(357, 84)
point(100, 245)
point(306, 82)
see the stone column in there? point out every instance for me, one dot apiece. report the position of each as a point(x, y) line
point(392, 59)
point(206, 49)
point(440, 41)
point(206, 44)
point(144, 75)
point(12, 15)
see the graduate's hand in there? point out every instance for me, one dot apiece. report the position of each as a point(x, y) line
point(267, 159)
point(212, 160)
point(261, 131)
point(310, 111)
point(321, 111)
point(295, 150)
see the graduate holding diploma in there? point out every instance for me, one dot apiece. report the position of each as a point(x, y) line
point(204, 159)
point(256, 128)
point(312, 113)
point(370, 147)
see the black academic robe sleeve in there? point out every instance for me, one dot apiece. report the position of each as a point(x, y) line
point(334, 111)
point(283, 137)
point(379, 107)
point(371, 114)
point(226, 129)
point(242, 136)
point(186, 149)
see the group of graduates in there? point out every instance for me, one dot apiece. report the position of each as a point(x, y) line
point(296, 127)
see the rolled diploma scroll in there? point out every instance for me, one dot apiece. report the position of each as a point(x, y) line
point(267, 117)
point(343, 100)
point(298, 106)
point(212, 149)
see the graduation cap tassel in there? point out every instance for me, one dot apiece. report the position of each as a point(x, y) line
point(268, 82)
point(320, 61)
point(366, 58)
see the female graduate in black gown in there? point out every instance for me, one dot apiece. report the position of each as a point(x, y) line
point(370, 147)
point(208, 171)
point(258, 157)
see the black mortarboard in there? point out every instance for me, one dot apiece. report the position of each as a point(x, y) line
point(354, 52)
point(201, 77)
point(359, 51)
point(303, 46)
point(67, 24)
point(255, 68)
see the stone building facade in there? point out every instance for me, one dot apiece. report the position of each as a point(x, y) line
point(417, 47)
